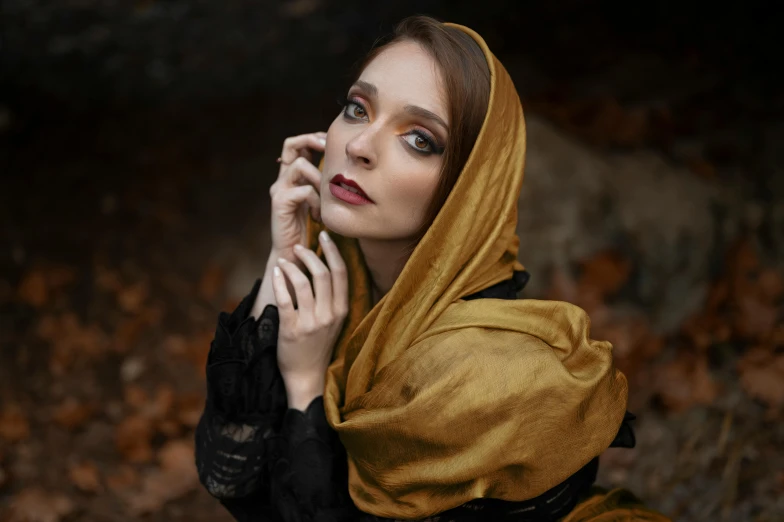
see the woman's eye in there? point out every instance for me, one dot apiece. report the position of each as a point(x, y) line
point(355, 110)
point(419, 142)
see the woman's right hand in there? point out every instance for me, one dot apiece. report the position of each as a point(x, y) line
point(294, 193)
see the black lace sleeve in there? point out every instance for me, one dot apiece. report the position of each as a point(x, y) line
point(246, 402)
point(310, 473)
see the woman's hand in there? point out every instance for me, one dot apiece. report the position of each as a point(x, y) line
point(307, 334)
point(295, 190)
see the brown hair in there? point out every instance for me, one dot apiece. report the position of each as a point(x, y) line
point(466, 79)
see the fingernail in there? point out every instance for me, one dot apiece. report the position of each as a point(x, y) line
point(298, 247)
point(323, 141)
point(276, 271)
point(282, 261)
point(324, 236)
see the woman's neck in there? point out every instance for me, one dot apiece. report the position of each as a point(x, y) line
point(385, 260)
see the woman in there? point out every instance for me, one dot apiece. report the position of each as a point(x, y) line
point(406, 380)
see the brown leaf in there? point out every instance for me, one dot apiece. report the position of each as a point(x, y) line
point(605, 273)
point(164, 400)
point(762, 375)
point(189, 409)
point(131, 298)
point(133, 438)
point(122, 480)
point(70, 340)
point(771, 285)
point(36, 505)
point(72, 414)
point(754, 319)
point(175, 345)
point(107, 280)
point(14, 426)
point(685, 382)
point(128, 332)
point(32, 289)
point(176, 476)
point(211, 283)
point(85, 477)
point(135, 396)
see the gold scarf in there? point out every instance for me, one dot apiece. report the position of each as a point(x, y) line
point(438, 400)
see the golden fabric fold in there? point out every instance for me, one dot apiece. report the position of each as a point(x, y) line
point(439, 401)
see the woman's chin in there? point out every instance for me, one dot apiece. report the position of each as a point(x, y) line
point(338, 223)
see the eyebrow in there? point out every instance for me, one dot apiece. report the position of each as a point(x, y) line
point(414, 110)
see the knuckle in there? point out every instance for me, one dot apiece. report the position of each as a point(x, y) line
point(320, 272)
point(325, 322)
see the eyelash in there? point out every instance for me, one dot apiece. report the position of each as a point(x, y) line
point(344, 102)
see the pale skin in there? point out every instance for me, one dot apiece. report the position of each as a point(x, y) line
point(389, 139)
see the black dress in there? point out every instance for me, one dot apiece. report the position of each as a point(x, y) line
point(266, 462)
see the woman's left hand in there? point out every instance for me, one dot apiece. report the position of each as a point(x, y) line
point(307, 335)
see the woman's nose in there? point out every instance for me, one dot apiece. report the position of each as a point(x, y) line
point(361, 148)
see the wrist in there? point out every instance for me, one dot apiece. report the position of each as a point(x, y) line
point(301, 390)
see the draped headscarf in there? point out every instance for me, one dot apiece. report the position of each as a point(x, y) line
point(439, 400)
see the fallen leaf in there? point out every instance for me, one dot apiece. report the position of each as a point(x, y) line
point(176, 477)
point(771, 285)
point(72, 414)
point(135, 396)
point(169, 428)
point(189, 409)
point(122, 480)
point(685, 382)
point(131, 298)
point(32, 289)
point(175, 345)
point(85, 477)
point(606, 272)
point(212, 281)
point(59, 276)
point(107, 280)
point(762, 375)
point(14, 426)
point(162, 404)
point(128, 332)
point(70, 340)
point(36, 505)
point(133, 438)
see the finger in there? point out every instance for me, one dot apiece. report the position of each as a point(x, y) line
point(322, 280)
point(302, 290)
point(339, 273)
point(295, 146)
point(282, 297)
point(301, 172)
point(291, 199)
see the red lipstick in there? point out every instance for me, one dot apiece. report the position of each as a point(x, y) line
point(340, 187)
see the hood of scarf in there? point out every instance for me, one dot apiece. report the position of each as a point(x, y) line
point(438, 400)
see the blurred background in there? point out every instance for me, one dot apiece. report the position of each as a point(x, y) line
point(137, 145)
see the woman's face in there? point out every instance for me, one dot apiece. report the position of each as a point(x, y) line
point(389, 139)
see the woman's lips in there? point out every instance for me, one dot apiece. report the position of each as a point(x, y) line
point(347, 196)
